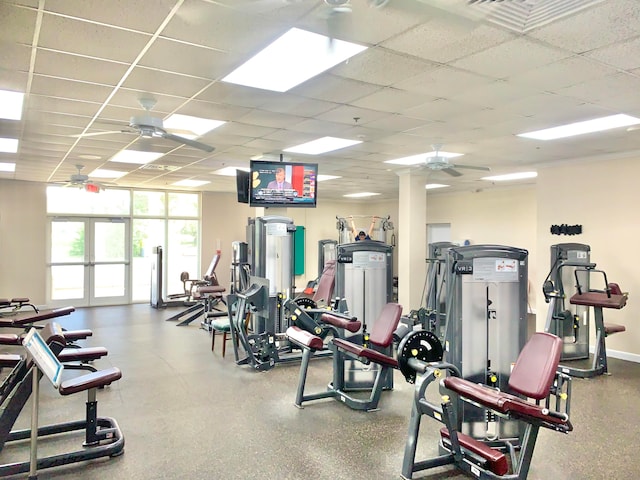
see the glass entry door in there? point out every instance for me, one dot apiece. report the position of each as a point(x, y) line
point(89, 261)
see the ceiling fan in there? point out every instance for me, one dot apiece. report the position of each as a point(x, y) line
point(148, 126)
point(441, 163)
point(81, 180)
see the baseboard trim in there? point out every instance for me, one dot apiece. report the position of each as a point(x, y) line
point(630, 357)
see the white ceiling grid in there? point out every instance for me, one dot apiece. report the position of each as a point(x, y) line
point(424, 79)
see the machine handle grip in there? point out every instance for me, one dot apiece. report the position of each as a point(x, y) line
point(562, 416)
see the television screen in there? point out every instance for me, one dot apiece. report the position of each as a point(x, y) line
point(283, 184)
point(243, 180)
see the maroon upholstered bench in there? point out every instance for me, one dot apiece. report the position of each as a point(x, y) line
point(496, 460)
point(98, 379)
point(613, 298)
point(22, 320)
point(350, 324)
point(304, 338)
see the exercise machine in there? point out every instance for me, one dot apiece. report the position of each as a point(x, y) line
point(534, 376)
point(432, 312)
point(382, 230)
point(565, 320)
point(376, 352)
point(12, 306)
point(486, 326)
point(102, 435)
point(364, 280)
point(240, 267)
point(609, 296)
point(270, 252)
point(326, 253)
point(265, 347)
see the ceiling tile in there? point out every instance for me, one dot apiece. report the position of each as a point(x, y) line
point(623, 55)
point(117, 14)
point(334, 89)
point(372, 66)
point(79, 68)
point(391, 100)
point(56, 87)
point(509, 58)
point(154, 81)
point(609, 22)
point(18, 24)
point(443, 42)
point(443, 81)
point(186, 59)
point(566, 72)
point(83, 38)
point(15, 57)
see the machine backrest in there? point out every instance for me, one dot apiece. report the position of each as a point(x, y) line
point(52, 332)
point(210, 274)
point(324, 292)
point(535, 369)
point(385, 325)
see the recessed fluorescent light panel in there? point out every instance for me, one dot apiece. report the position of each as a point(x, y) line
point(292, 59)
point(190, 183)
point(104, 173)
point(230, 171)
point(7, 167)
point(361, 195)
point(421, 157)
point(322, 145)
point(511, 176)
point(322, 178)
point(432, 186)
point(11, 105)
point(135, 156)
point(8, 145)
point(580, 128)
point(197, 125)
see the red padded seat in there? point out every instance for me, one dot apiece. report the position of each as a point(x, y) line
point(599, 299)
point(496, 460)
point(304, 338)
point(532, 376)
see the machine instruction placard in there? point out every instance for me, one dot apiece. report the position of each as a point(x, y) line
point(277, 229)
point(495, 269)
point(369, 259)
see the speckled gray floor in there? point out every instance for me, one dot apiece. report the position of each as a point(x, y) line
point(187, 413)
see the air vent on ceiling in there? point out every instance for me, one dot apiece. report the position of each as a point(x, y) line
point(164, 168)
point(522, 16)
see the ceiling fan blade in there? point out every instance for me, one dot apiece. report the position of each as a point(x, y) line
point(186, 141)
point(471, 167)
point(452, 172)
point(95, 134)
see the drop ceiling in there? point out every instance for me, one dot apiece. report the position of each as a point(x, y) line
point(468, 76)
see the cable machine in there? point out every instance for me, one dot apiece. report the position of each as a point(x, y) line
point(486, 326)
point(364, 280)
point(381, 231)
point(326, 252)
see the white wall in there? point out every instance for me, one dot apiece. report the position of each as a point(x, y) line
point(586, 194)
point(22, 240)
point(499, 216)
point(602, 197)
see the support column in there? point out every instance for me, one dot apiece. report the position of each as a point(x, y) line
point(412, 239)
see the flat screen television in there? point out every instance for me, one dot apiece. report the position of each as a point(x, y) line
point(243, 180)
point(283, 184)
